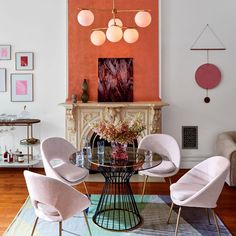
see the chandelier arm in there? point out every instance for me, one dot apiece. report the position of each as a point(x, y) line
point(132, 10)
point(123, 27)
point(117, 10)
point(94, 9)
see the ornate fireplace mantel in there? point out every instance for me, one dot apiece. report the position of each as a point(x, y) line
point(78, 117)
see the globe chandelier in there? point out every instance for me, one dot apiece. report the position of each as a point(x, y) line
point(115, 30)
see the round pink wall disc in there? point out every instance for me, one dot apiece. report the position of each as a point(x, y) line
point(208, 76)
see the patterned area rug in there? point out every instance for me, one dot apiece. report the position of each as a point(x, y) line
point(154, 210)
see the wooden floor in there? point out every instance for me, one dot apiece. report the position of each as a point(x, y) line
point(13, 193)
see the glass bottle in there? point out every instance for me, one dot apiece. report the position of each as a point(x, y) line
point(10, 157)
point(86, 148)
point(5, 155)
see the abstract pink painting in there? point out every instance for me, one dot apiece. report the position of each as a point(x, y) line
point(115, 80)
point(21, 87)
point(24, 61)
point(5, 52)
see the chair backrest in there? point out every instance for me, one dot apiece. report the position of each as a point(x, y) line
point(163, 144)
point(53, 195)
point(211, 173)
point(55, 148)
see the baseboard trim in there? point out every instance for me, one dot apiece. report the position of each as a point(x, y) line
point(190, 162)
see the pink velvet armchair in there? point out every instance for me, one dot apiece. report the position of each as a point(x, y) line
point(54, 200)
point(226, 146)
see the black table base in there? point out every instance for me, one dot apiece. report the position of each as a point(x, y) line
point(117, 209)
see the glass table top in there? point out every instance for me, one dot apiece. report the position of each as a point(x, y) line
point(137, 159)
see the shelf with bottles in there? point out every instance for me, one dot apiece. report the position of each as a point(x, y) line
point(28, 143)
point(26, 160)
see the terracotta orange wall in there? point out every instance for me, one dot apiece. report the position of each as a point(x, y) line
point(83, 55)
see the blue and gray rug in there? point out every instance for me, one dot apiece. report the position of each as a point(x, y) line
point(154, 210)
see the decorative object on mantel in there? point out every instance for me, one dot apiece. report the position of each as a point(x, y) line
point(115, 79)
point(119, 133)
point(208, 75)
point(114, 31)
point(74, 98)
point(84, 96)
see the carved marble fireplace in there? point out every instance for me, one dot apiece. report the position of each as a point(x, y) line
point(78, 117)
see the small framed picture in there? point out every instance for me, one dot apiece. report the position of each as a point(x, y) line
point(3, 87)
point(24, 61)
point(5, 52)
point(21, 87)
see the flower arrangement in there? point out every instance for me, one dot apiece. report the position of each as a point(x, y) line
point(121, 131)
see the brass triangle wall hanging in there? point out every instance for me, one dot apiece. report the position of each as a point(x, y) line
point(207, 75)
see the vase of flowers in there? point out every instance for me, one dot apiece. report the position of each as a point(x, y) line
point(119, 150)
point(119, 133)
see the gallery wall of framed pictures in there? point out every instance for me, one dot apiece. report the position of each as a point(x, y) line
point(19, 83)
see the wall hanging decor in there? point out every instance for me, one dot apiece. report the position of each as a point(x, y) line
point(21, 87)
point(3, 80)
point(115, 80)
point(207, 75)
point(24, 61)
point(5, 52)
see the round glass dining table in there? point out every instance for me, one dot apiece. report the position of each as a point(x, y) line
point(117, 209)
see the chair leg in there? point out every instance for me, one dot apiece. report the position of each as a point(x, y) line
point(86, 220)
point(171, 208)
point(177, 222)
point(60, 228)
point(35, 223)
point(144, 186)
point(208, 216)
point(216, 222)
point(86, 190)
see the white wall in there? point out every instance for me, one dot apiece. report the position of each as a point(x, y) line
point(40, 26)
point(182, 22)
point(37, 26)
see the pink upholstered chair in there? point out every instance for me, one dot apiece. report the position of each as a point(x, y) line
point(200, 187)
point(167, 146)
point(53, 200)
point(56, 149)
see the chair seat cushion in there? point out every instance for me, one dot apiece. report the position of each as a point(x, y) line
point(47, 210)
point(70, 172)
point(165, 167)
point(182, 191)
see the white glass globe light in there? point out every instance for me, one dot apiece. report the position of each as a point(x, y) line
point(143, 18)
point(131, 35)
point(114, 34)
point(98, 37)
point(115, 21)
point(85, 17)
